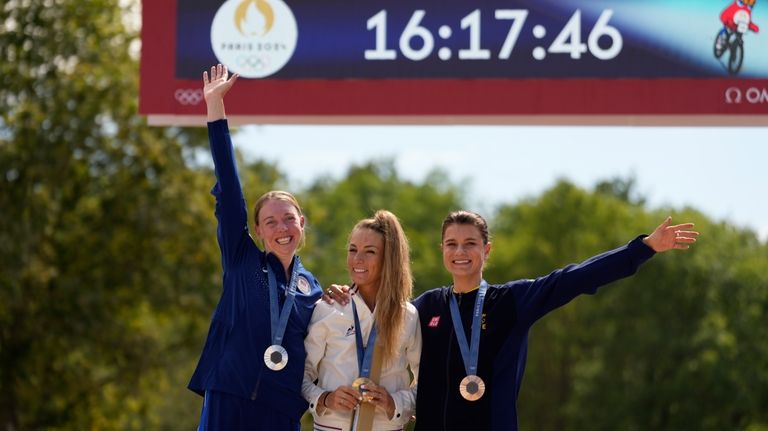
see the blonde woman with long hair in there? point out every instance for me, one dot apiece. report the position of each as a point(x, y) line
point(342, 337)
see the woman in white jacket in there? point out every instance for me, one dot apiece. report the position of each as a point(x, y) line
point(339, 349)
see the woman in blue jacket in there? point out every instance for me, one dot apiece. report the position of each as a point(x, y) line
point(475, 335)
point(251, 368)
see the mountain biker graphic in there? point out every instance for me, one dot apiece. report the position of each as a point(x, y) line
point(737, 21)
point(733, 15)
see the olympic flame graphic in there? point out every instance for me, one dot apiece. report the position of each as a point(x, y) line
point(254, 17)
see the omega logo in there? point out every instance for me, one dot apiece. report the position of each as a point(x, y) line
point(753, 95)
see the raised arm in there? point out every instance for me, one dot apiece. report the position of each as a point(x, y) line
point(230, 203)
point(535, 298)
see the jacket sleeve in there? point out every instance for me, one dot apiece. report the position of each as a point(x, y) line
point(535, 298)
point(405, 400)
point(314, 344)
point(230, 203)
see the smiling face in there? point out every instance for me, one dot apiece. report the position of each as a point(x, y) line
point(464, 252)
point(365, 255)
point(281, 227)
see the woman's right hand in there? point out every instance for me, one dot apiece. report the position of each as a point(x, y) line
point(343, 399)
point(214, 90)
point(337, 293)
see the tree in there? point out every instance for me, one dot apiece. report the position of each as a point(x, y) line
point(686, 346)
point(677, 346)
point(333, 208)
point(107, 274)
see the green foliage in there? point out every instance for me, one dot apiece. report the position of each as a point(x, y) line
point(677, 346)
point(685, 347)
point(531, 239)
point(104, 284)
point(333, 208)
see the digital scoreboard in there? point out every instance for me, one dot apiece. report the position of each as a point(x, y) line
point(460, 62)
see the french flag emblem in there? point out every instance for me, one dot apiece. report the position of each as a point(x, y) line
point(434, 322)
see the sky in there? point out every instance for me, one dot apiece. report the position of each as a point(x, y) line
point(722, 171)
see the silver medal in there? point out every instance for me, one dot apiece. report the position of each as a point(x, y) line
point(275, 357)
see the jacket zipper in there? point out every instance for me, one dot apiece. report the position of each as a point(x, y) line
point(255, 392)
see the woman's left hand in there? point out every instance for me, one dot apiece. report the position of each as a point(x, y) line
point(668, 236)
point(338, 293)
point(380, 397)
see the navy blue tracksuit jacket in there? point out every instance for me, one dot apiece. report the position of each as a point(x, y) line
point(232, 359)
point(508, 313)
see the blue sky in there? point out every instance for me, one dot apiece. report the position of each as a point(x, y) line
point(721, 171)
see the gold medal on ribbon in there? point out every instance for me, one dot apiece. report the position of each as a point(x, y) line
point(358, 384)
point(275, 357)
point(472, 388)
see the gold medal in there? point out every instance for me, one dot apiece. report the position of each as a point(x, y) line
point(275, 357)
point(358, 383)
point(472, 388)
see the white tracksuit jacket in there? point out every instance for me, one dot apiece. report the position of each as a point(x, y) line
point(332, 361)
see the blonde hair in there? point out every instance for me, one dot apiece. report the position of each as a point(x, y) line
point(277, 195)
point(395, 283)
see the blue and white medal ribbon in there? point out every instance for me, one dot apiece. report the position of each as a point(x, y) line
point(276, 357)
point(472, 386)
point(364, 354)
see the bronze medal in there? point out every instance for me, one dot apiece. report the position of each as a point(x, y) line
point(472, 388)
point(275, 357)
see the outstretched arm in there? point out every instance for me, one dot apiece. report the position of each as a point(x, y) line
point(537, 297)
point(669, 237)
point(214, 90)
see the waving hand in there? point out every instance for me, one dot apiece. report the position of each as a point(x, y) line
point(669, 237)
point(214, 89)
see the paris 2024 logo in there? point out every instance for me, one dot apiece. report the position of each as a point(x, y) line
point(254, 38)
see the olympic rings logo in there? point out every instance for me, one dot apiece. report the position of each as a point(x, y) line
point(253, 62)
point(188, 96)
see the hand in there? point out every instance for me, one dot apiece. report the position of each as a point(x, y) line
point(380, 397)
point(338, 293)
point(343, 399)
point(218, 85)
point(668, 237)
point(214, 90)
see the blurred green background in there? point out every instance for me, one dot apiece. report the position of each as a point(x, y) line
point(109, 267)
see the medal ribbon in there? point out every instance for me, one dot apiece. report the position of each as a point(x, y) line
point(279, 323)
point(469, 353)
point(364, 354)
